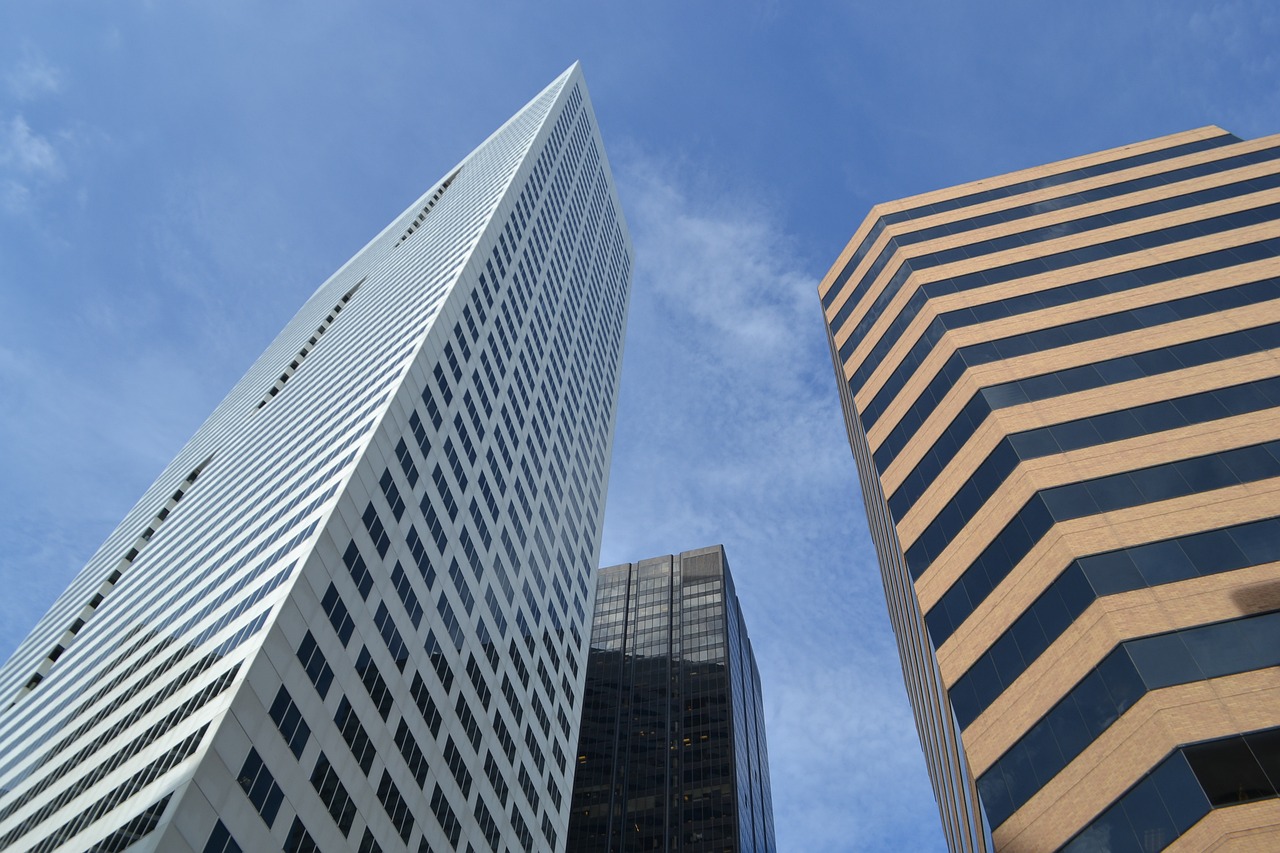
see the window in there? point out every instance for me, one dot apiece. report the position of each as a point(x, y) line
point(288, 720)
point(260, 787)
point(313, 662)
point(355, 735)
point(333, 794)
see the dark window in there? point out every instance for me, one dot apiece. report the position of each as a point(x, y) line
point(288, 720)
point(260, 787)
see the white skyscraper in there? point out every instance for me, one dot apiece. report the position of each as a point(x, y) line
point(349, 615)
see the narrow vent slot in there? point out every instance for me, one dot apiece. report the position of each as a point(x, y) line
point(311, 345)
point(422, 214)
point(144, 539)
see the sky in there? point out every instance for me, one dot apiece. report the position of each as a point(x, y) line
point(177, 178)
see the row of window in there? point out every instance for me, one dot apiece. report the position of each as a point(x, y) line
point(1089, 578)
point(1101, 697)
point(1079, 331)
point(1023, 269)
point(1101, 220)
point(1182, 789)
point(1007, 191)
point(1071, 380)
point(165, 762)
point(1083, 432)
point(939, 455)
point(1091, 497)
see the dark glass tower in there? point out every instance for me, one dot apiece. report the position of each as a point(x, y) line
point(672, 752)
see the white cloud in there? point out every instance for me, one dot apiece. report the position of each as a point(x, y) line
point(24, 151)
point(33, 78)
point(729, 431)
point(14, 197)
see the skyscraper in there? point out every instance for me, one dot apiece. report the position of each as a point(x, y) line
point(349, 614)
point(1061, 390)
point(672, 753)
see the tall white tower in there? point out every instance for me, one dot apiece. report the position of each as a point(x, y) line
point(350, 613)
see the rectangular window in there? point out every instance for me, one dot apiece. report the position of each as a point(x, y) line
point(389, 490)
point(407, 464)
point(312, 660)
point(260, 787)
point(391, 636)
point(445, 815)
point(412, 753)
point(333, 794)
point(397, 808)
point(359, 571)
point(373, 682)
point(458, 766)
point(377, 533)
point(409, 598)
point(299, 840)
point(337, 613)
point(426, 705)
point(355, 735)
point(289, 722)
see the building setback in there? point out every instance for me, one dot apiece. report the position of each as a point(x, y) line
point(672, 753)
point(350, 613)
point(1061, 390)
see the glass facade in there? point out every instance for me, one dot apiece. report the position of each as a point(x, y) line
point(1062, 389)
point(672, 751)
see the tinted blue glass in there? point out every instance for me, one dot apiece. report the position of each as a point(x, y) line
point(1111, 573)
point(1213, 548)
point(1122, 681)
point(1236, 646)
point(1163, 562)
point(1148, 816)
point(1162, 661)
point(1182, 795)
point(1069, 729)
point(1060, 260)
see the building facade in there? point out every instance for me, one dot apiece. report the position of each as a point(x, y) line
point(1061, 387)
point(672, 754)
point(350, 614)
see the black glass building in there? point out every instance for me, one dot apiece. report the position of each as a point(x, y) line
point(671, 755)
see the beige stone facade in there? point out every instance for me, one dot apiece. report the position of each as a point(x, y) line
point(1045, 376)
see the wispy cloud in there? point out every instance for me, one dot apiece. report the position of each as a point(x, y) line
point(29, 157)
point(26, 152)
point(729, 431)
point(33, 77)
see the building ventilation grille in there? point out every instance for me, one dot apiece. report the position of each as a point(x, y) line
point(422, 214)
point(86, 612)
point(311, 345)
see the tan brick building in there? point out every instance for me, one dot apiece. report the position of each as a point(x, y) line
point(1062, 390)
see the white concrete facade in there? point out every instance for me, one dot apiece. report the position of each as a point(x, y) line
point(350, 614)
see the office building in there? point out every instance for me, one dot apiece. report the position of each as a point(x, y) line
point(351, 613)
point(1061, 390)
point(672, 753)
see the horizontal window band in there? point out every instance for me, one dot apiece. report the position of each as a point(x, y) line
point(1133, 669)
point(1087, 579)
point(1100, 374)
point(1061, 260)
point(1113, 492)
point(1032, 185)
point(1195, 779)
point(1082, 290)
point(1148, 419)
point(1055, 337)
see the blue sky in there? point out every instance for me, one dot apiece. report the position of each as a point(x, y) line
point(176, 178)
